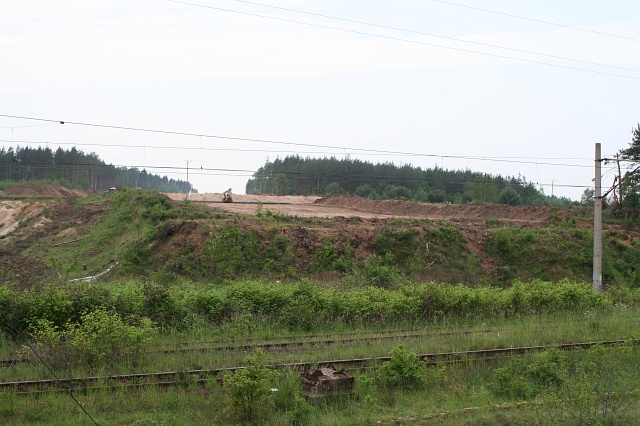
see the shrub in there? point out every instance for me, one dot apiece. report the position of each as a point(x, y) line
point(249, 393)
point(600, 386)
point(379, 271)
point(404, 370)
point(101, 338)
point(526, 378)
point(509, 196)
point(328, 258)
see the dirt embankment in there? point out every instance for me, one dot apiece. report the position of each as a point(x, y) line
point(439, 211)
point(354, 206)
point(44, 190)
point(23, 221)
point(21, 209)
point(472, 219)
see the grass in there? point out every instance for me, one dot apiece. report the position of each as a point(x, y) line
point(549, 329)
point(465, 384)
point(462, 395)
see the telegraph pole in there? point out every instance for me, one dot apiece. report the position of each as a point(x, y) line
point(188, 185)
point(597, 223)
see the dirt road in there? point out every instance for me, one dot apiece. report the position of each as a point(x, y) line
point(350, 206)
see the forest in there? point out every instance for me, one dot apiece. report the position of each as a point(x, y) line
point(75, 168)
point(295, 175)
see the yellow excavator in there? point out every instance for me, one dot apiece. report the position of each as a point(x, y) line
point(226, 196)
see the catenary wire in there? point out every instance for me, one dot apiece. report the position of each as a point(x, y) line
point(181, 170)
point(436, 36)
point(536, 20)
point(42, 361)
point(271, 151)
point(495, 55)
point(483, 158)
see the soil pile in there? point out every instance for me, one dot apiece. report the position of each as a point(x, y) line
point(46, 190)
point(445, 211)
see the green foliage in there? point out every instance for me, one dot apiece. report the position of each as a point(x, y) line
point(367, 191)
point(297, 307)
point(328, 258)
point(164, 305)
point(234, 253)
point(586, 199)
point(379, 271)
point(398, 244)
point(437, 196)
point(60, 167)
point(100, 338)
point(600, 386)
point(282, 185)
point(403, 370)
point(591, 387)
point(559, 252)
point(481, 189)
point(290, 399)
point(396, 192)
point(249, 395)
point(381, 181)
point(333, 188)
point(524, 378)
point(509, 196)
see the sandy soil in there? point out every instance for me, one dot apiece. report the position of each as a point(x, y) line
point(350, 206)
point(13, 211)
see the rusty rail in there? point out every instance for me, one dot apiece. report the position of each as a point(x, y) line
point(174, 378)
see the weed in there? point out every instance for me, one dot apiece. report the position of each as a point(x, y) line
point(598, 389)
point(328, 258)
point(101, 338)
point(249, 394)
point(404, 370)
point(526, 378)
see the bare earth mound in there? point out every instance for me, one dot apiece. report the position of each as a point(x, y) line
point(46, 190)
point(449, 211)
point(354, 206)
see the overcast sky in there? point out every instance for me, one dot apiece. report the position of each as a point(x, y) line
point(185, 68)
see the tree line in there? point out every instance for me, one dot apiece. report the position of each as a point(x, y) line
point(295, 175)
point(75, 168)
point(626, 187)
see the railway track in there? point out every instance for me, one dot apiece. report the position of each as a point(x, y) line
point(247, 345)
point(180, 378)
point(312, 343)
point(269, 346)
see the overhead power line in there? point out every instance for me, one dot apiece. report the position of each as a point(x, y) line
point(271, 151)
point(537, 20)
point(339, 151)
point(437, 36)
point(354, 177)
point(342, 148)
point(423, 43)
point(48, 367)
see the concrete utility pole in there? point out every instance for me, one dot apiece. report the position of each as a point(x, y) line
point(597, 223)
point(188, 186)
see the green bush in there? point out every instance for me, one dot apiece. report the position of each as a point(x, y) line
point(249, 395)
point(379, 271)
point(404, 370)
point(100, 338)
point(301, 306)
point(524, 378)
point(328, 258)
point(599, 388)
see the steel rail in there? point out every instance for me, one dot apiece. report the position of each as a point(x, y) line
point(311, 343)
point(204, 375)
point(287, 344)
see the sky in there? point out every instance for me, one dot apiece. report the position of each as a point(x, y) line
point(233, 84)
